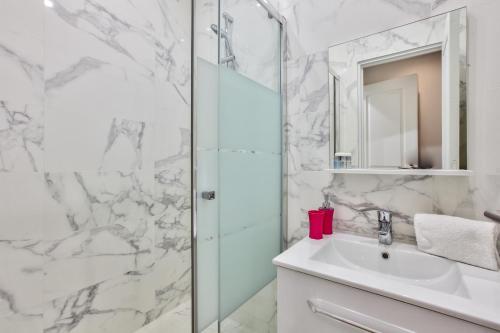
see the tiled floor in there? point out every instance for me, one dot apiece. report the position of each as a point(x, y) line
point(178, 320)
point(257, 315)
point(212, 328)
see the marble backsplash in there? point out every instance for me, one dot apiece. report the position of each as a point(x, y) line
point(403, 195)
point(94, 164)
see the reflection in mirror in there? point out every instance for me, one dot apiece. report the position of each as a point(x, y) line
point(398, 98)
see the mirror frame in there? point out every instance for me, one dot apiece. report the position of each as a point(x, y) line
point(334, 93)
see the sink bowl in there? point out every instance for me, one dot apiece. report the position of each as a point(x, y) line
point(397, 261)
point(407, 275)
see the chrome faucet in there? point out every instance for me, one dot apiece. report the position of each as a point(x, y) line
point(384, 225)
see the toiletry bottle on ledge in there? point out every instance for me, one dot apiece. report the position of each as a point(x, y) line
point(328, 216)
point(342, 161)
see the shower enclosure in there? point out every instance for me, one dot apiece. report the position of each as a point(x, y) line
point(238, 164)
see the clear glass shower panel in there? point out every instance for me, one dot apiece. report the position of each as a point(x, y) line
point(207, 210)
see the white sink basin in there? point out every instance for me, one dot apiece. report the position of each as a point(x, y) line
point(463, 291)
point(401, 262)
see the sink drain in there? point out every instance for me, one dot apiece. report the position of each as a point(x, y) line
point(385, 255)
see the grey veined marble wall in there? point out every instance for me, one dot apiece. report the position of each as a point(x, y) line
point(313, 26)
point(94, 165)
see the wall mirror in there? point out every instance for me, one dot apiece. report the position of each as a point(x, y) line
point(398, 98)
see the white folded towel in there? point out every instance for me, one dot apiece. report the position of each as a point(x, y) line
point(468, 241)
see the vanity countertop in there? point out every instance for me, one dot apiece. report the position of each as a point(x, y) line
point(459, 290)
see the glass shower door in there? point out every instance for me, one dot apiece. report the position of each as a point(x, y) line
point(250, 169)
point(238, 156)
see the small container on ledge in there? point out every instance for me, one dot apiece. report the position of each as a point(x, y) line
point(316, 218)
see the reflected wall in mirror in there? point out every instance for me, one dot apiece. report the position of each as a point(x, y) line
point(398, 98)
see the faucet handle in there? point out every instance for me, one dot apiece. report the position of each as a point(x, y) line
point(384, 216)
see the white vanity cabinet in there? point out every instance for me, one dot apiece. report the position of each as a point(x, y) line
point(307, 303)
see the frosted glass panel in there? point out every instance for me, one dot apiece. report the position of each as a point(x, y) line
point(249, 187)
point(246, 265)
point(249, 114)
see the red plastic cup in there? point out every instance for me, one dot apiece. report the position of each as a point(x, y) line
point(316, 218)
point(328, 221)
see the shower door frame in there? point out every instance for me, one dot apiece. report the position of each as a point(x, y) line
point(284, 150)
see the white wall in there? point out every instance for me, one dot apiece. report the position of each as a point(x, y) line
point(316, 24)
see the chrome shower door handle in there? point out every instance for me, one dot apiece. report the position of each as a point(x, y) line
point(208, 195)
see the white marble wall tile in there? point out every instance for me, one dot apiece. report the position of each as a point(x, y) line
point(124, 149)
point(307, 126)
point(171, 278)
point(21, 164)
point(256, 42)
point(404, 196)
point(171, 282)
point(206, 14)
point(172, 225)
point(21, 87)
point(21, 216)
point(21, 277)
point(351, 194)
point(117, 305)
point(314, 24)
point(176, 320)
point(100, 63)
point(303, 195)
point(172, 202)
point(21, 135)
point(84, 201)
point(172, 133)
point(21, 207)
point(173, 48)
point(81, 115)
point(23, 323)
point(97, 226)
point(118, 35)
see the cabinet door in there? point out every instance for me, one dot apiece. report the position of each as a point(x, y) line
point(310, 304)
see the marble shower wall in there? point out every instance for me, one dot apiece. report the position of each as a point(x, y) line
point(94, 164)
point(255, 42)
point(255, 38)
point(313, 26)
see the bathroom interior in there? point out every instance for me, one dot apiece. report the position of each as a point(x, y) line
point(237, 166)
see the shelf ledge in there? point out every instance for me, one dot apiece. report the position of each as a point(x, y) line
point(409, 172)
